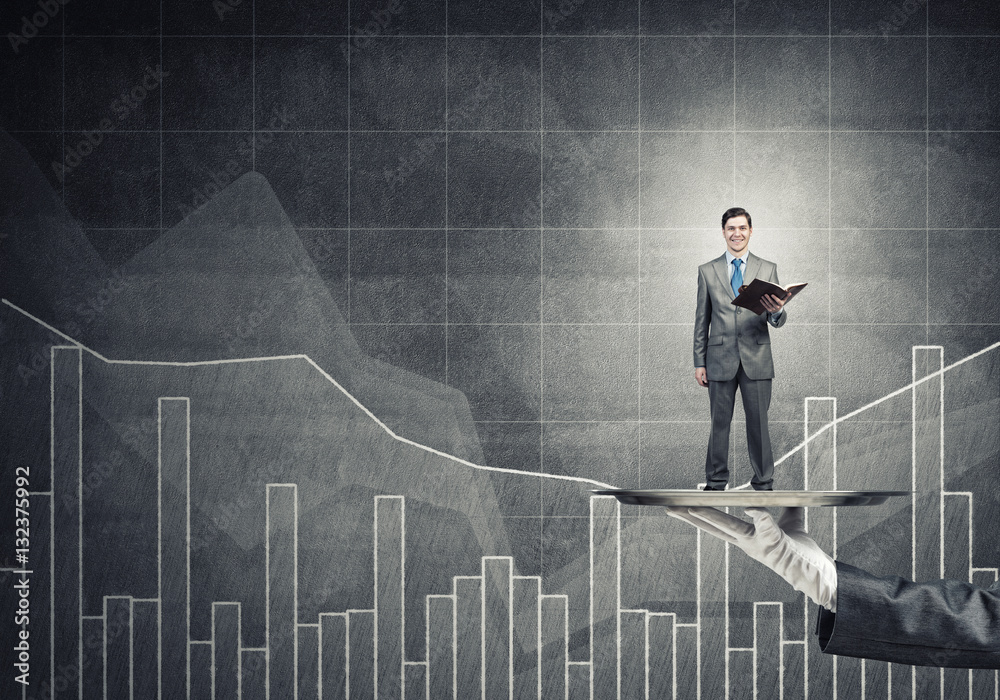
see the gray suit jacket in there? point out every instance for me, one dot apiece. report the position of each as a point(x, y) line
point(937, 623)
point(725, 335)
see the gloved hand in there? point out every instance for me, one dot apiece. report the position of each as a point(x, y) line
point(783, 546)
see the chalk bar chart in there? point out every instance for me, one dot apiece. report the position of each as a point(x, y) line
point(494, 633)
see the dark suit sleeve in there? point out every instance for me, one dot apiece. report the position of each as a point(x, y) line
point(702, 318)
point(938, 623)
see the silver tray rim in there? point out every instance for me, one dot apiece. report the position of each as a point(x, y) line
point(691, 497)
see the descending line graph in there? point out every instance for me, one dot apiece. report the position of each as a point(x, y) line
point(327, 377)
point(492, 633)
point(798, 448)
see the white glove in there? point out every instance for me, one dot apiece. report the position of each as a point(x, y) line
point(783, 546)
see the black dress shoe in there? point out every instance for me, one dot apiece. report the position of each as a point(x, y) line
point(712, 488)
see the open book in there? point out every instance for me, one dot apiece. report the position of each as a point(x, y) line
point(750, 294)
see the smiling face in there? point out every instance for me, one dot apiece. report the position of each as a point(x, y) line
point(737, 232)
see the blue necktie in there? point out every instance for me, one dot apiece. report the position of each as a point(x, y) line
point(737, 277)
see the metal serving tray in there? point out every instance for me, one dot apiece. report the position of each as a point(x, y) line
point(723, 499)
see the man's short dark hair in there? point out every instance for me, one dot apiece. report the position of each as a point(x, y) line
point(736, 211)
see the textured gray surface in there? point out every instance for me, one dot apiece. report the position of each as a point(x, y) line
point(484, 227)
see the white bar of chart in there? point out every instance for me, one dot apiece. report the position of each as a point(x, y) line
point(332, 670)
point(495, 635)
point(928, 487)
point(174, 573)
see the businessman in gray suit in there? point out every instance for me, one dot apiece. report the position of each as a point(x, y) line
point(732, 348)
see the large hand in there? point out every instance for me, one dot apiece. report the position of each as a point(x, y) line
point(783, 546)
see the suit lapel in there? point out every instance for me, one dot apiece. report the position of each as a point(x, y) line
point(722, 269)
point(753, 267)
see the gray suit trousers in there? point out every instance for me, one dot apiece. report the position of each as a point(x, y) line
point(756, 395)
point(734, 347)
